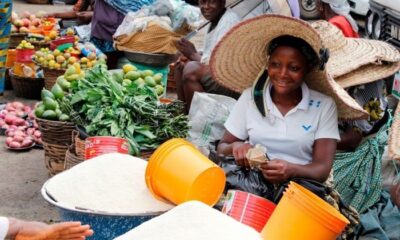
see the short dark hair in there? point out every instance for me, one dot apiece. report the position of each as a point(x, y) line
point(297, 43)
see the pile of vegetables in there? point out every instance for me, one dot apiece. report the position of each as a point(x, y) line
point(17, 121)
point(49, 108)
point(106, 106)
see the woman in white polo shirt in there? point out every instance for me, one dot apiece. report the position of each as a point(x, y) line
point(281, 108)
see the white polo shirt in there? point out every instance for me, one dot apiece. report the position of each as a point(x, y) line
point(289, 137)
point(3, 227)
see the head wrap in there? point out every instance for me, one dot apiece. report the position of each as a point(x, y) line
point(342, 7)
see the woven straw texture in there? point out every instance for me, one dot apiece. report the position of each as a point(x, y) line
point(15, 39)
point(241, 54)
point(79, 144)
point(154, 39)
point(54, 157)
point(368, 73)
point(50, 76)
point(348, 54)
point(394, 136)
point(56, 132)
point(27, 87)
point(71, 159)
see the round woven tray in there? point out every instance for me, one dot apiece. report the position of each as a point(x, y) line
point(71, 159)
point(26, 87)
point(56, 132)
point(50, 76)
point(15, 39)
point(54, 157)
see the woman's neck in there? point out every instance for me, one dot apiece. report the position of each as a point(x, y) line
point(287, 100)
point(215, 22)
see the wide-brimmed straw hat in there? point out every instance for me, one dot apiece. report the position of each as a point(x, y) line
point(355, 61)
point(241, 55)
point(394, 136)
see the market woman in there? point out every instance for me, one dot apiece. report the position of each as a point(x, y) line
point(107, 16)
point(5, 28)
point(287, 110)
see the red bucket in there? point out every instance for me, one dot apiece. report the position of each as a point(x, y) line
point(249, 209)
point(96, 146)
point(24, 55)
point(55, 43)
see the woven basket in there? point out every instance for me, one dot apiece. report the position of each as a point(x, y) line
point(54, 157)
point(26, 87)
point(50, 76)
point(56, 132)
point(15, 39)
point(39, 44)
point(71, 159)
point(79, 144)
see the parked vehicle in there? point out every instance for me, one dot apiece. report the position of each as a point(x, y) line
point(309, 10)
point(383, 21)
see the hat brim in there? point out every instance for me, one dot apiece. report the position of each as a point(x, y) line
point(242, 53)
point(394, 136)
point(348, 54)
point(367, 74)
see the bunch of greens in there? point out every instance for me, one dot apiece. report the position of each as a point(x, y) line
point(105, 107)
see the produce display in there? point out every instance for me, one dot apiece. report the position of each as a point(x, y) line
point(25, 45)
point(62, 60)
point(28, 22)
point(106, 106)
point(49, 108)
point(141, 78)
point(17, 121)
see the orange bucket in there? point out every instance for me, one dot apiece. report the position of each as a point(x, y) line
point(96, 146)
point(18, 68)
point(178, 172)
point(301, 214)
point(247, 208)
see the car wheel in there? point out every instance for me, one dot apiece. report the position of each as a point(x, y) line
point(308, 9)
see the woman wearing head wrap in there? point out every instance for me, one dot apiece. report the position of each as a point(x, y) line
point(337, 12)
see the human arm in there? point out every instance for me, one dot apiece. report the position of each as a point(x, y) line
point(231, 145)
point(278, 170)
point(85, 16)
point(349, 140)
point(63, 15)
point(188, 49)
point(27, 230)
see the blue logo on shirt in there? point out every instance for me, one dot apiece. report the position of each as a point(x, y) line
point(306, 128)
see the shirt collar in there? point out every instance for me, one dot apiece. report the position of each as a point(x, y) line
point(303, 104)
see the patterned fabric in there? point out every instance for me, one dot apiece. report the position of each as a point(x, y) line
point(103, 45)
point(5, 29)
point(125, 6)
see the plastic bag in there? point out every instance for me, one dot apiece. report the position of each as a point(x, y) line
point(207, 115)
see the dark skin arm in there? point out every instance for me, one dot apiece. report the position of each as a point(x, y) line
point(279, 170)
point(188, 50)
point(349, 140)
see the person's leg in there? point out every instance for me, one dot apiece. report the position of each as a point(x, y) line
point(191, 79)
point(5, 28)
point(178, 69)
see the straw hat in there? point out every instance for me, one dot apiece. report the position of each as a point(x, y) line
point(241, 54)
point(348, 54)
point(394, 136)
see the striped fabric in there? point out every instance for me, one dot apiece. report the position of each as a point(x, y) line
point(5, 29)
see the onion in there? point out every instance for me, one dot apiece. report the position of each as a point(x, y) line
point(2, 115)
point(26, 142)
point(18, 138)
point(37, 134)
point(2, 122)
point(18, 105)
point(9, 140)
point(4, 112)
point(10, 108)
point(19, 133)
point(9, 119)
point(30, 131)
point(10, 133)
point(27, 109)
point(20, 113)
point(15, 145)
point(19, 121)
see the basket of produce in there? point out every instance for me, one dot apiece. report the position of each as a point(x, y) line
point(55, 124)
point(54, 157)
point(23, 24)
point(26, 87)
point(18, 125)
point(126, 104)
point(71, 158)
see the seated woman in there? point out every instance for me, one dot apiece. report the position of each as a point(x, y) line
point(296, 124)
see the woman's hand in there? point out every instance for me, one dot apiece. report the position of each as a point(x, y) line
point(239, 151)
point(277, 170)
point(187, 49)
